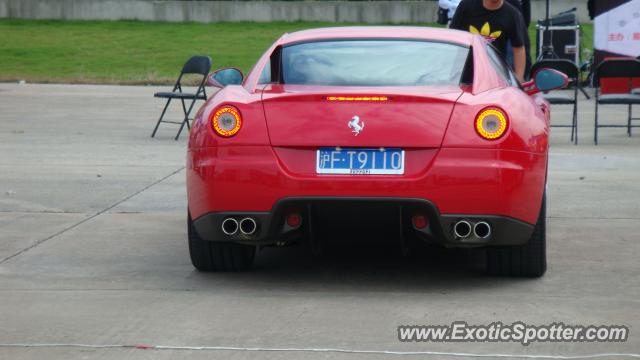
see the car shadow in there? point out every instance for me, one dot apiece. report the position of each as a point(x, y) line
point(377, 265)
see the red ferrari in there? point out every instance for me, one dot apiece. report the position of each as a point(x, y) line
point(425, 130)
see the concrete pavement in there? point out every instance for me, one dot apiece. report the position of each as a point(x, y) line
point(93, 249)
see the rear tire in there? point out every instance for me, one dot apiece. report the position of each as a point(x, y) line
point(218, 256)
point(529, 260)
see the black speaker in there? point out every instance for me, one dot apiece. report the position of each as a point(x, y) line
point(565, 18)
point(563, 31)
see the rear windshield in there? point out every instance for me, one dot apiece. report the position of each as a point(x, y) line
point(373, 63)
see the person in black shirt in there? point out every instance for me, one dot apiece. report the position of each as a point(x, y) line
point(524, 6)
point(498, 22)
point(526, 11)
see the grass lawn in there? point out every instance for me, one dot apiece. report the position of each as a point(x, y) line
point(132, 52)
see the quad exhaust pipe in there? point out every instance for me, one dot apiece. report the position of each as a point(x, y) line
point(482, 230)
point(231, 226)
point(464, 229)
point(248, 226)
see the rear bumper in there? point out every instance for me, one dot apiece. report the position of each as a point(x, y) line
point(457, 181)
point(272, 226)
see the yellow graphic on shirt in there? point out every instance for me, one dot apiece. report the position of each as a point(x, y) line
point(485, 32)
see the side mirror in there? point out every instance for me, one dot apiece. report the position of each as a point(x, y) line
point(546, 80)
point(226, 76)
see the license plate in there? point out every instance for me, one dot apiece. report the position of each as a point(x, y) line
point(358, 161)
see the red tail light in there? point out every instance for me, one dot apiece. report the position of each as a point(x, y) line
point(491, 123)
point(226, 120)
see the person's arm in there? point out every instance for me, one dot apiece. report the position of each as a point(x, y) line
point(519, 61)
point(517, 37)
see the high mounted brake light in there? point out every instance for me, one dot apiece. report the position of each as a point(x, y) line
point(357, 98)
point(226, 120)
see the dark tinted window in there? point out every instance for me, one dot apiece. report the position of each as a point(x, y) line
point(373, 63)
point(265, 76)
point(501, 66)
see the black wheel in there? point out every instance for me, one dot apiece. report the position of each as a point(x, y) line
point(529, 260)
point(218, 256)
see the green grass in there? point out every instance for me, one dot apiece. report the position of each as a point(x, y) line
point(127, 51)
point(131, 52)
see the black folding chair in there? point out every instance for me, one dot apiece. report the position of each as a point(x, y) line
point(570, 69)
point(196, 65)
point(617, 68)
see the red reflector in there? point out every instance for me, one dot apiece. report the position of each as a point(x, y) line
point(294, 220)
point(419, 221)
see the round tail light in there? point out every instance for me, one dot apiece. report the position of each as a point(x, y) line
point(226, 121)
point(491, 123)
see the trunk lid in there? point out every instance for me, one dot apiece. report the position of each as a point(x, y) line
point(312, 116)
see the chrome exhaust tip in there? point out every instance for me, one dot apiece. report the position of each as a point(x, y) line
point(230, 226)
point(248, 226)
point(482, 230)
point(462, 229)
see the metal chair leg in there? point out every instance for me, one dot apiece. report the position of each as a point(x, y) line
point(161, 116)
point(629, 122)
point(584, 92)
point(575, 124)
point(595, 130)
point(184, 108)
point(188, 125)
point(186, 120)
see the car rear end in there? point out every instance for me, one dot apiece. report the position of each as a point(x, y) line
point(345, 126)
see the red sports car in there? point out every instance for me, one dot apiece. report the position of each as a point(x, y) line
point(425, 128)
